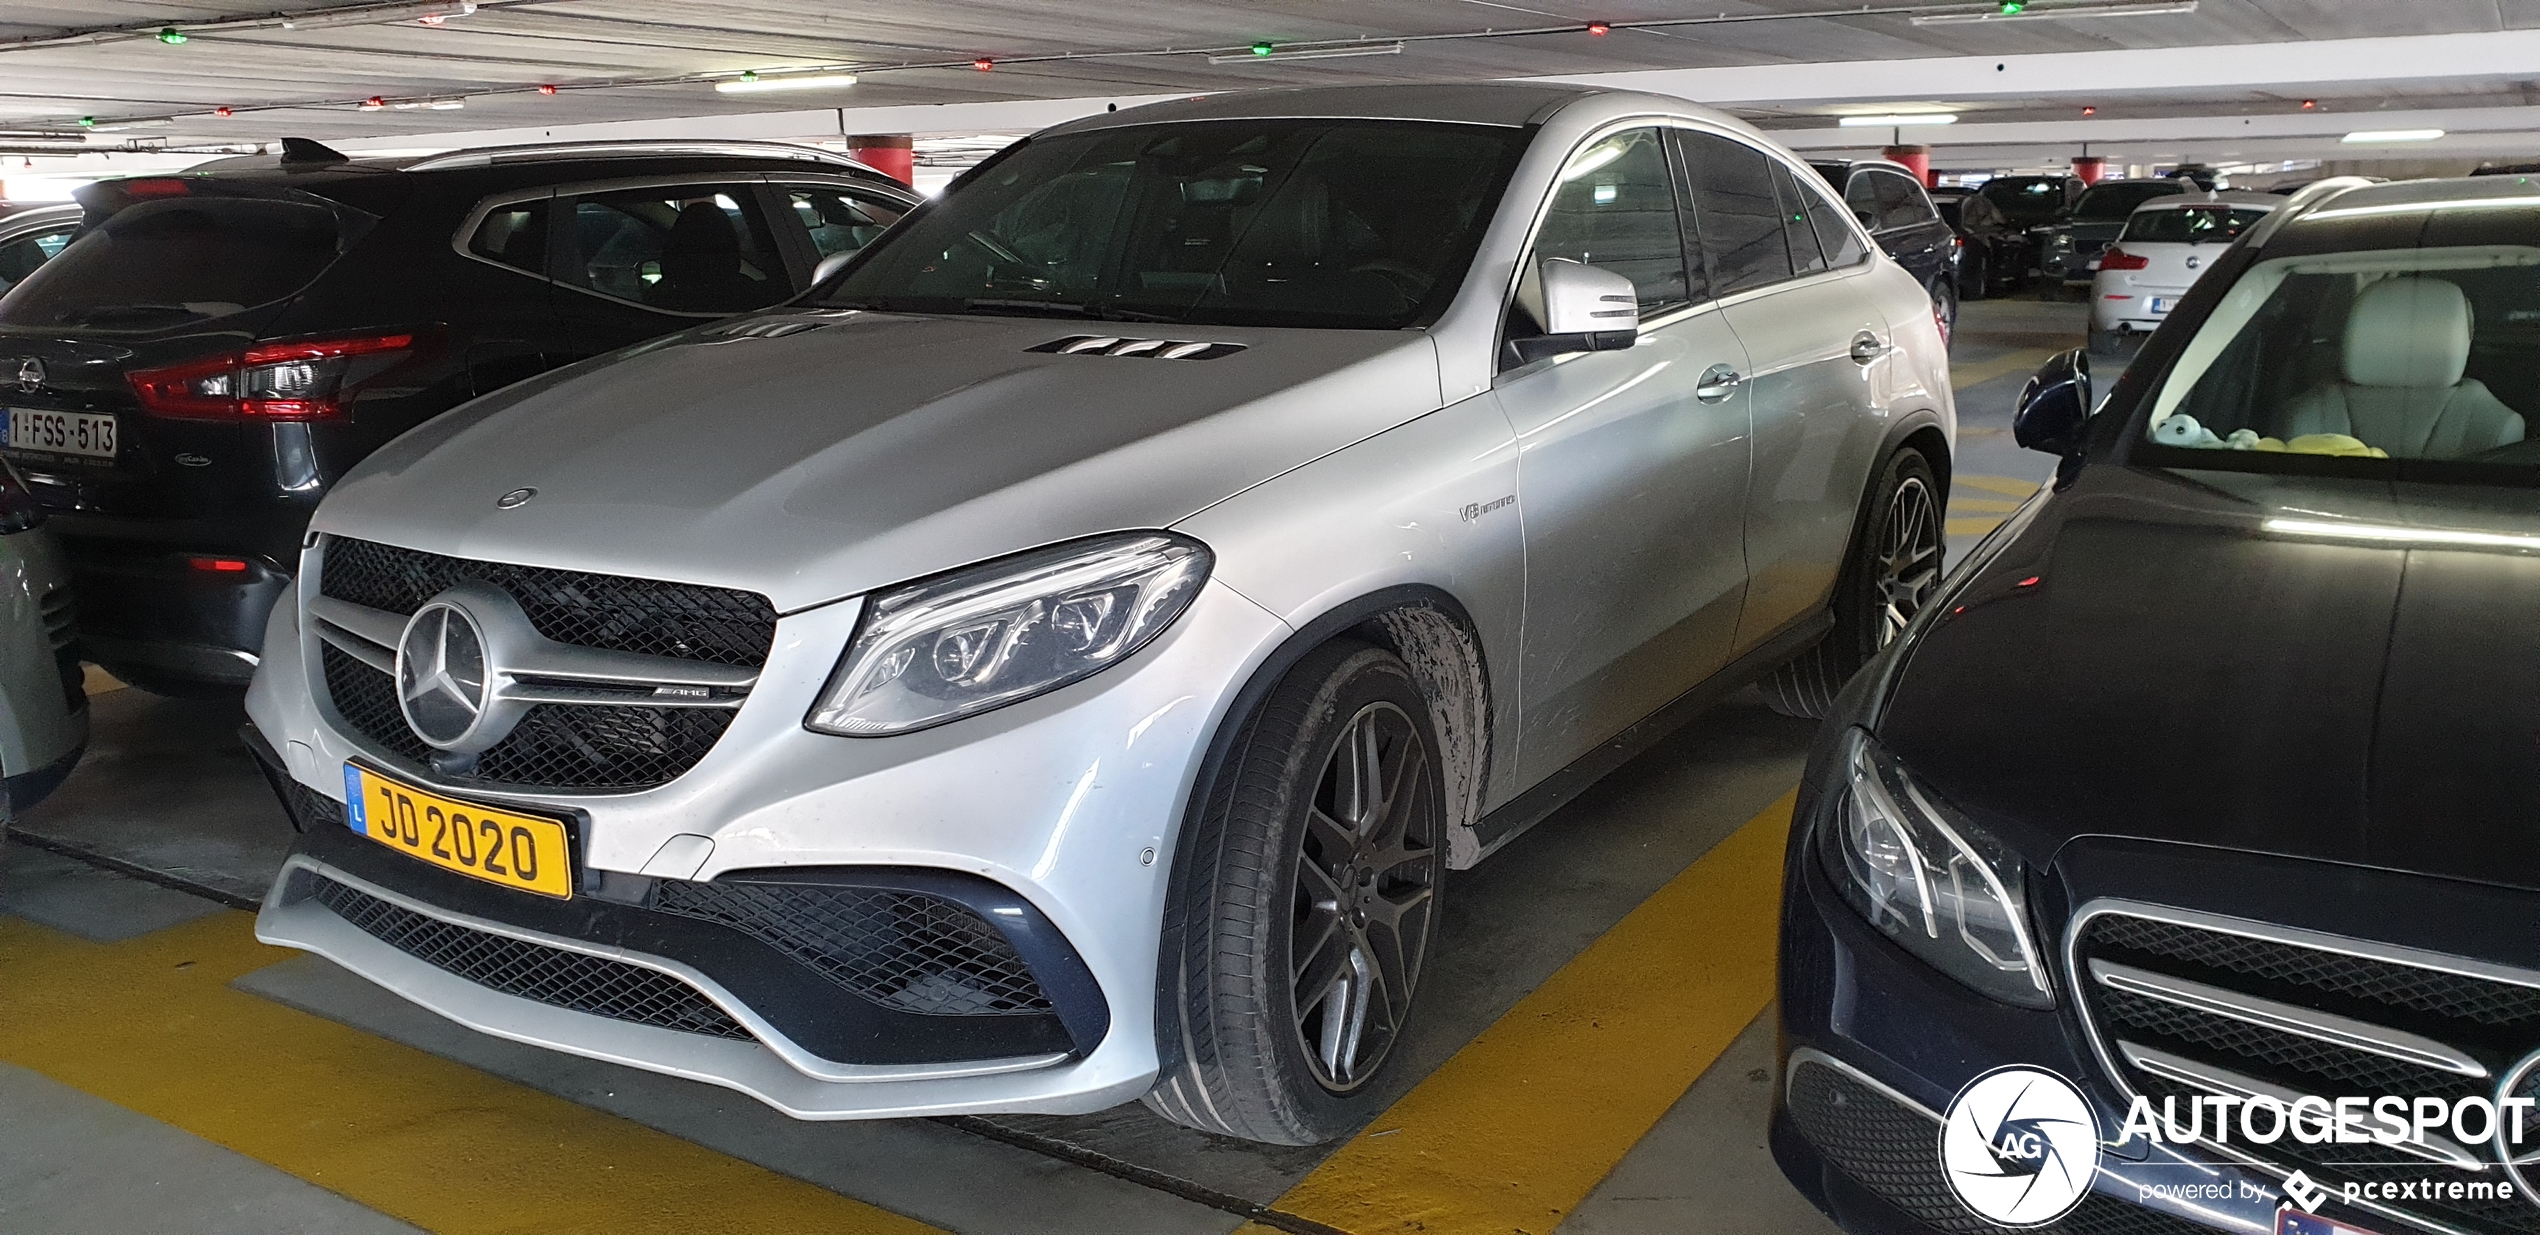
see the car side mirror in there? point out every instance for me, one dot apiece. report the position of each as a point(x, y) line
point(1597, 307)
point(2054, 408)
point(830, 265)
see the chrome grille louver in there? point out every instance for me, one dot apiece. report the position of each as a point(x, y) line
point(2182, 1004)
point(765, 329)
point(1148, 349)
point(61, 617)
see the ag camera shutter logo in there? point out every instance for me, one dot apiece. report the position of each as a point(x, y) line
point(2020, 1146)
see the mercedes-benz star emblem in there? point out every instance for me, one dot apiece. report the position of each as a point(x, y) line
point(441, 677)
point(515, 499)
point(30, 375)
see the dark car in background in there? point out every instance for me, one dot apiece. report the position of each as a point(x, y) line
point(1891, 203)
point(2210, 774)
point(1994, 258)
point(214, 348)
point(2069, 249)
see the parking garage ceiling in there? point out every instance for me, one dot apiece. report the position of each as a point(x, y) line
point(123, 75)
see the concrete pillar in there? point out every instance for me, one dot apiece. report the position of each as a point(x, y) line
point(891, 154)
point(2090, 168)
point(1916, 159)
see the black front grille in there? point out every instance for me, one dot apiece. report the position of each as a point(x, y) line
point(555, 745)
point(903, 950)
point(532, 971)
point(683, 620)
point(1893, 1150)
point(2492, 1022)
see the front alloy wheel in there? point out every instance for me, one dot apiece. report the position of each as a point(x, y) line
point(1304, 901)
point(1908, 568)
point(1365, 877)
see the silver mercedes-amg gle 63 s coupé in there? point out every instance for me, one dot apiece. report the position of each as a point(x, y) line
point(1060, 658)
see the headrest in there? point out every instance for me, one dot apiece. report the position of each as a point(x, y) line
point(702, 228)
point(2408, 332)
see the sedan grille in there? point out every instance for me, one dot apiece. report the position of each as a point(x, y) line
point(610, 745)
point(552, 976)
point(2184, 1008)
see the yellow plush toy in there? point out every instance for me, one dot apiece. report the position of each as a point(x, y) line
point(2333, 444)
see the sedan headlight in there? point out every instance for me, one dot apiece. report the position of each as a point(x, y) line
point(985, 636)
point(1933, 882)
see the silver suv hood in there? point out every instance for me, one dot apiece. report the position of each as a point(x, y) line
point(874, 448)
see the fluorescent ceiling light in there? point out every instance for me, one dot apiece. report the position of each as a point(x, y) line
point(2386, 534)
point(432, 12)
point(2365, 136)
point(429, 105)
point(1309, 53)
point(1898, 120)
point(809, 81)
point(2065, 13)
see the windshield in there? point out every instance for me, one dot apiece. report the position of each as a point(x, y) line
point(2025, 199)
point(2189, 225)
point(1332, 223)
point(2107, 203)
point(176, 260)
point(2358, 357)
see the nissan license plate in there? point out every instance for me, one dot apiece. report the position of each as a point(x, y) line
point(62, 433)
point(529, 852)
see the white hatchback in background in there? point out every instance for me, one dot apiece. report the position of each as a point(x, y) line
point(2168, 243)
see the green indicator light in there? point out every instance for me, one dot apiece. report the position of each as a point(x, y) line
point(2012, 7)
point(171, 36)
point(1262, 48)
point(88, 122)
point(749, 75)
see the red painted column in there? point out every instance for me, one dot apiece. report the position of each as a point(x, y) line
point(2090, 168)
point(891, 154)
point(1916, 159)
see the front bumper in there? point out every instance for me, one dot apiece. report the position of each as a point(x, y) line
point(1069, 802)
point(1875, 1044)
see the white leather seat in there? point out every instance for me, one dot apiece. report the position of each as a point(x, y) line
point(2407, 344)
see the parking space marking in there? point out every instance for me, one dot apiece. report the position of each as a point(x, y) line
point(1976, 525)
point(153, 1025)
point(1992, 505)
point(1521, 1124)
point(1996, 484)
point(1963, 376)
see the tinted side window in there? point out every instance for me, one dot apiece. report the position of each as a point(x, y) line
point(1737, 212)
point(21, 256)
point(686, 248)
point(840, 221)
point(1842, 246)
point(1901, 201)
point(514, 235)
point(1615, 208)
point(1805, 256)
point(162, 263)
point(1861, 196)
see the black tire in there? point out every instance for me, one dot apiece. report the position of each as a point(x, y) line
point(1286, 859)
point(2103, 342)
point(1975, 275)
point(1893, 567)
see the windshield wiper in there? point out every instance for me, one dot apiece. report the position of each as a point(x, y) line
point(1064, 308)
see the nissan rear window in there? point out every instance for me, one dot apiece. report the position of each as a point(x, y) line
point(170, 261)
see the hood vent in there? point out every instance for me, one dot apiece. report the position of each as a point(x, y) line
point(776, 329)
point(1149, 349)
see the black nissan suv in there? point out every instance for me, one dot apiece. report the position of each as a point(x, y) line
point(213, 349)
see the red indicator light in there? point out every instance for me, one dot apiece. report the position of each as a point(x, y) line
point(983, 64)
point(1600, 29)
point(2031, 581)
point(221, 112)
point(548, 90)
point(2090, 111)
point(217, 565)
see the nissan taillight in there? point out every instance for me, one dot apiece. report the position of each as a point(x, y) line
point(307, 379)
point(2119, 259)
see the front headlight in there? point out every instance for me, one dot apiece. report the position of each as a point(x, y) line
point(1930, 880)
point(988, 635)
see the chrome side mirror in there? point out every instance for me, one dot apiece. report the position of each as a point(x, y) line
point(830, 265)
point(1579, 299)
point(2054, 408)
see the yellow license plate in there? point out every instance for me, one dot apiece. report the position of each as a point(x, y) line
point(529, 852)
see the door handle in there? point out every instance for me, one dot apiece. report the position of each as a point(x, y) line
point(1866, 348)
point(1718, 383)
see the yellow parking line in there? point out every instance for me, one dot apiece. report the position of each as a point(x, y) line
point(152, 1024)
point(1964, 376)
point(1996, 484)
point(1516, 1129)
point(97, 681)
point(1989, 505)
point(1976, 526)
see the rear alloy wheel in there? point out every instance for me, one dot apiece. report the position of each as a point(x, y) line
point(1303, 905)
point(1891, 573)
point(1944, 310)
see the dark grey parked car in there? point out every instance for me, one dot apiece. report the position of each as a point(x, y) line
point(1890, 202)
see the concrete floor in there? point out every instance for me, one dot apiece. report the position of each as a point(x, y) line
point(166, 826)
